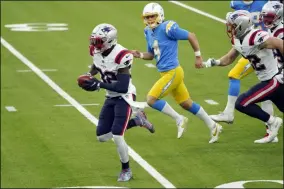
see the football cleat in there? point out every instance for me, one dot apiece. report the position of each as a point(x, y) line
point(215, 132)
point(223, 117)
point(265, 140)
point(144, 122)
point(182, 126)
point(125, 175)
point(274, 127)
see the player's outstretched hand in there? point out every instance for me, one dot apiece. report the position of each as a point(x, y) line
point(135, 53)
point(198, 62)
point(211, 62)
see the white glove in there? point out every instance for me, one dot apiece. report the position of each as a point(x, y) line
point(211, 62)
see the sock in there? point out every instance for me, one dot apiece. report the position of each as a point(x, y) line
point(271, 119)
point(125, 165)
point(197, 110)
point(267, 107)
point(122, 148)
point(234, 90)
point(105, 137)
point(164, 107)
point(134, 122)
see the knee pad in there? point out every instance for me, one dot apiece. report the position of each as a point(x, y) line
point(105, 137)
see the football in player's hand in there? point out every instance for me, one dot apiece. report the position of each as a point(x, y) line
point(82, 78)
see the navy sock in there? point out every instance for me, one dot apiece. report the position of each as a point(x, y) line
point(132, 123)
point(125, 165)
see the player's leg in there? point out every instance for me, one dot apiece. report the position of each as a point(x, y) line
point(106, 118)
point(141, 120)
point(122, 115)
point(161, 88)
point(182, 97)
point(268, 108)
point(240, 70)
point(246, 103)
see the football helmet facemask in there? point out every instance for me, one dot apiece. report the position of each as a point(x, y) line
point(103, 37)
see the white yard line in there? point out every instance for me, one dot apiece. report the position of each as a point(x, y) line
point(151, 170)
point(44, 70)
point(70, 105)
point(198, 11)
point(11, 108)
point(150, 65)
point(211, 102)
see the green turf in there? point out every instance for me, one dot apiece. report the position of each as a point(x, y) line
point(47, 146)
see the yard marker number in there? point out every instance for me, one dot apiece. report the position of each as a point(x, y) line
point(11, 108)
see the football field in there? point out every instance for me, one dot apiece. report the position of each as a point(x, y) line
point(48, 123)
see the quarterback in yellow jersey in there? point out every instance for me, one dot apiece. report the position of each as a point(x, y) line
point(162, 42)
point(243, 66)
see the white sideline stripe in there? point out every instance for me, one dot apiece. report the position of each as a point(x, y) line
point(11, 108)
point(44, 70)
point(211, 102)
point(150, 65)
point(151, 170)
point(68, 105)
point(198, 11)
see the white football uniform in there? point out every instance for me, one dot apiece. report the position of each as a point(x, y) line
point(108, 67)
point(262, 60)
point(279, 33)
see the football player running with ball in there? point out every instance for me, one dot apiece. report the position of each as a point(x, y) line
point(113, 62)
point(162, 41)
point(256, 46)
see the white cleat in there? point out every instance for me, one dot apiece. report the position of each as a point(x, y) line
point(223, 117)
point(215, 132)
point(265, 140)
point(182, 126)
point(274, 127)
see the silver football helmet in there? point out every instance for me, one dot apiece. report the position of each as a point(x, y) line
point(103, 37)
point(272, 14)
point(238, 23)
point(153, 15)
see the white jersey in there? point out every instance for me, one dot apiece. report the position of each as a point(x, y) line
point(262, 60)
point(279, 33)
point(108, 67)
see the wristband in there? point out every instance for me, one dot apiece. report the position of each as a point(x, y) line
point(141, 55)
point(197, 53)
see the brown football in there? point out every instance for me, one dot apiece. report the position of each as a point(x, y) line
point(82, 78)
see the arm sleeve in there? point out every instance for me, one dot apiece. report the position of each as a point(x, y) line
point(121, 86)
point(173, 31)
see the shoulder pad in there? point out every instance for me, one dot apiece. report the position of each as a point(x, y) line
point(170, 25)
point(123, 56)
point(279, 33)
point(258, 37)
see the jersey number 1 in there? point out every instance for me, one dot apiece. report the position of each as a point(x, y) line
point(157, 51)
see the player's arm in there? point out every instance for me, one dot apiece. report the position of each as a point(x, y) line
point(273, 43)
point(225, 60)
point(93, 71)
point(121, 86)
point(175, 32)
